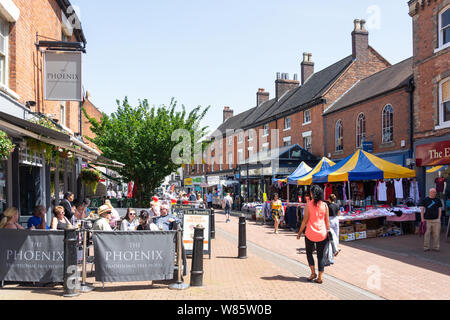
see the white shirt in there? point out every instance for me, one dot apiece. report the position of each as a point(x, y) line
point(129, 226)
point(113, 194)
point(398, 188)
point(108, 193)
point(382, 191)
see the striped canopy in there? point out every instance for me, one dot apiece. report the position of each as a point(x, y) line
point(307, 179)
point(435, 169)
point(363, 166)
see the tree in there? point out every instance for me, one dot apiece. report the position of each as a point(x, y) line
point(141, 138)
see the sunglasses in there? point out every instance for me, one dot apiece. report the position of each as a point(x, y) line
point(132, 213)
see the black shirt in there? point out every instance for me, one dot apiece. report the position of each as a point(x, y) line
point(431, 208)
point(145, 227)
point(67, 208)
point(333, 209)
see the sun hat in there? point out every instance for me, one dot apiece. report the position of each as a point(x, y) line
point(104, 209)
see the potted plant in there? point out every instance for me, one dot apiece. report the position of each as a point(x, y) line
point(91, 178)
point(6, 146)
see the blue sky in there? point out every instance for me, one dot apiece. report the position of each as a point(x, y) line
point(218, 53)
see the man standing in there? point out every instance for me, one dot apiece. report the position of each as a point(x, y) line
point(69, 209)
point(226, 205)
point(431, 212)
point(209, 199)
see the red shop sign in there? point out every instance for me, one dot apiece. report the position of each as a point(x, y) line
point(433, 154)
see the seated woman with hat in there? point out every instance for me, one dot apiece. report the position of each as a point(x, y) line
point(103, 224)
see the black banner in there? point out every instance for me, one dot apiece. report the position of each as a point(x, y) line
point(31, 256)
point(134, 256)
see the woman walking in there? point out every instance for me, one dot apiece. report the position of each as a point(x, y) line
point(317, 223)
point(276, 210)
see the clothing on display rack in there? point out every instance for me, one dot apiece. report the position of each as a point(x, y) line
point(398, 184)
point(382, 191)
point(391, 200)
point(328, 191)
point(440, 182)
point(414, 191)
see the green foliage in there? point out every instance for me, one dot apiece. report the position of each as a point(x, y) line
point(141, 138)
point(91, 178)
point(45, 122)
point(6, 146)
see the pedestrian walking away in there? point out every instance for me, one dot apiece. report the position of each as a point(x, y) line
point(226, 205)
point(317, 223)
point(431, 212)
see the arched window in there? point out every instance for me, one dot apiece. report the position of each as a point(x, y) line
point(388, 124)
point(360, 130)
point(339, 136)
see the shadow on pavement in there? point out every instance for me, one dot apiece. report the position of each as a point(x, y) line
point(283, 278)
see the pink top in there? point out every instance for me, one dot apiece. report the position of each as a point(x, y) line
point(316, 229)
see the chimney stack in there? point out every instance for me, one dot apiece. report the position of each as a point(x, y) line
point(360, 41)
point(227, 113)
point(307, 67)
point(261, 97)
point(283, 84)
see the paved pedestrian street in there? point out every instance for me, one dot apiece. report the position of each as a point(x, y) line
point(276, 269)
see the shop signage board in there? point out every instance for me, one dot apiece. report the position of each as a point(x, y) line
point(134, 256)
point(433, 154)
point(31, 256)
point(62, 76)
point(188, 182)
point(198, 180)
point(213, 180)
point(191, 219)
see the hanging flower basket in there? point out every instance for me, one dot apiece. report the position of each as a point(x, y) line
point(90, 178)
point(6, 146)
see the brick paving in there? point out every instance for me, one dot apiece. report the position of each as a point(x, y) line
point(276, 269)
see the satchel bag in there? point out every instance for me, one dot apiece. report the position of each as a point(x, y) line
point(422, 228)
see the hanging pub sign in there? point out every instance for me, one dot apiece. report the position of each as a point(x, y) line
point(62, 76)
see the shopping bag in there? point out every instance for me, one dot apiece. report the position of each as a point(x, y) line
point(422, 228)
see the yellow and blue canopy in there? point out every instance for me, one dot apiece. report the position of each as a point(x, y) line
point(363, 166)
point(302, 169)
point(307, 179)
point(435, 169)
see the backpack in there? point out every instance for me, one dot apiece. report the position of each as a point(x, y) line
point(227, 204)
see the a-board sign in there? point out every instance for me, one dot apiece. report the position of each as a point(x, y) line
point(191, 219)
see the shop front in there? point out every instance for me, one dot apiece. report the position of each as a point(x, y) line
point(432, 160)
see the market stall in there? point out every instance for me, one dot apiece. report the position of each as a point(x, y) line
point(375, 190)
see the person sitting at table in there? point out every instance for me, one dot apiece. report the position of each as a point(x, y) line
point(103, 224)
point(80, 212)
point(9, 220)
point(115, 217)
point(60, 221)
point(130, 222)
point(37, 221)
point(165, 222)
point(144, 224)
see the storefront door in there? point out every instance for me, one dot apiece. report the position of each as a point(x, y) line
point(30, 189)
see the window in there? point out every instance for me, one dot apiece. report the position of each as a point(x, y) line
point(4, 47)
point(230, 160)
point(241, 137)
point(62, 115)
point(287, 123)
point(388, 124)
point(307, 117)
point(266, 130)
point(444, 27)
point(339, 136)
point(251, 135)
point(444, 102)
point(240, 156)
point(360, 130)
point(287, 141)
point(220, 144)
point(307, 143)
point(250, 151)
point(230, 140)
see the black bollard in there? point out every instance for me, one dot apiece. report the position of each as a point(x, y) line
point(197, 258)
point(179, 284)
point(242, 238)
point(71, 279)
point(213, 225)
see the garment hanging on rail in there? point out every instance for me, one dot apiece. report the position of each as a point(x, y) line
point(398, 184)
point(382, 191)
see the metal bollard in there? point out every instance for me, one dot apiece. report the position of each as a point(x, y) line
point(213, 225)
point(84, 286)
point(71, 276)
point(197, 257)
point(242, 238)
point(179, 285)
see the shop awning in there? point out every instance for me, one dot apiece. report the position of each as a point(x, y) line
point(307, 179)
point(435, 169)
point(363, 166)
point(102, 161)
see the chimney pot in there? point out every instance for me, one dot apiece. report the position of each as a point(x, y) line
point(227, 113)
point(307, 67)
point(261, 97)
point(360, 41)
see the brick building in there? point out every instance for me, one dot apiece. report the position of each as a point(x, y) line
point(431, 40)
point(294, 116)
point(376, 110)
point(28, 178)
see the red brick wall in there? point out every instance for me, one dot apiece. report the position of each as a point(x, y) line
point(26, 60)
point(93, 112)
point(372, 109)
point(429, 69)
